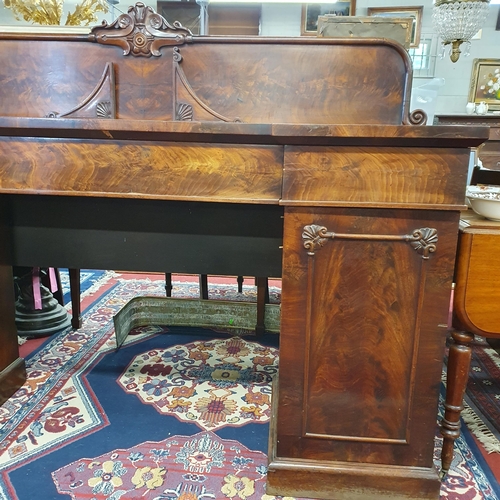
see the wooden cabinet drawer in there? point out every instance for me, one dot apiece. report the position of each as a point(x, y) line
point(374, 177)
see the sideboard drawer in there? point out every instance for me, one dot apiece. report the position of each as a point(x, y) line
point(375, 177)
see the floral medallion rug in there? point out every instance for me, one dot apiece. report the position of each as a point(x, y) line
point(176, 413)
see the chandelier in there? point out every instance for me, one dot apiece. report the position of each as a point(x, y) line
point(457, 21)
point(50, 12)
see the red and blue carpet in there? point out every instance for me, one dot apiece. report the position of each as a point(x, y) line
point(176, 413)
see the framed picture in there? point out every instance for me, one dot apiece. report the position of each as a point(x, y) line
point(485, 83)
point(311, 12)
point(414, 12)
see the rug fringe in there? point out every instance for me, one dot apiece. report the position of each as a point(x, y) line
point(480, 430)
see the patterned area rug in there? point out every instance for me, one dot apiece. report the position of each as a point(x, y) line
point(176, 413)
point(482, 402)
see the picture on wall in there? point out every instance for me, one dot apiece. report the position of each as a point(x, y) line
point(414, 12)
point(311, 12)
point(485, 83)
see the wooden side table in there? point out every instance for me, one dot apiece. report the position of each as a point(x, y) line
point(476, 310)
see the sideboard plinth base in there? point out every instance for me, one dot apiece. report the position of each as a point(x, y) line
point(344, 481)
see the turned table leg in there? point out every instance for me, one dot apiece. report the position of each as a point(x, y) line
point(76, 307)
point(262, 300)
point(456, 381)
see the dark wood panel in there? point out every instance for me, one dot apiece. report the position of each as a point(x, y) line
point(376, 176)
point(161, 170)
point(255, 80)
point(372, 350)
point(354, 388)
point(12, 367)
point(9, 350)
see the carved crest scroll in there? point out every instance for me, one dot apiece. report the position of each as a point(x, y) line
point(141, 32)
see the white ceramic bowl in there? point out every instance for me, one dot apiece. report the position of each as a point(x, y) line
point(485, 201)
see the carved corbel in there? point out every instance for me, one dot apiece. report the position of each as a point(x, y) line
point(185, 101)
point(141, 32)
point(100, 103)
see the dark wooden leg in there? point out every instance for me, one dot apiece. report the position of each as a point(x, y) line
point(74, 287)
point(261, 305)
point(12, 367)
point(203, 286)
point(239, 279)
point(168, 284)
point(456, 383)
point(58, 294)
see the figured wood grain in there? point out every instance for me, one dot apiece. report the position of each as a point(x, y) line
point(150, 170)
point(258, 79)
point(385, 370)
point(353, 371)
point(354, 391)
point(348, 175)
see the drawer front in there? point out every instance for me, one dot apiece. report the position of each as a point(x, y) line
point(198, 172)
point(375, 177)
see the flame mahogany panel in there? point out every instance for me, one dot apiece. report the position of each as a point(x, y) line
point(355, 351)
point(282, 82)
point(374, 175)
point(142, 169)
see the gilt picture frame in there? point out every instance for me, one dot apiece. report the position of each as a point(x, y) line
point(311, 12)
point(485, 83)
point(414, 12)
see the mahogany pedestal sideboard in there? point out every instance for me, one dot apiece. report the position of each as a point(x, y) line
point(475, 311)
point(246, 157)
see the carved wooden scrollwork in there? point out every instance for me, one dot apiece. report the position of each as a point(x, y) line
point(141, 32)
point(417, 117)
point(182, 89)
point(100, 103)
point(423, 240)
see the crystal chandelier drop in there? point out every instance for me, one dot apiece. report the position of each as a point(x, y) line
point(457, 21)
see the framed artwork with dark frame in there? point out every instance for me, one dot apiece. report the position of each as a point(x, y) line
point(414, 12)
point(311, 12)
point(485, 83)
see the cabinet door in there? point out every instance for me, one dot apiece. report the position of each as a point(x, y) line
point(364, 309)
